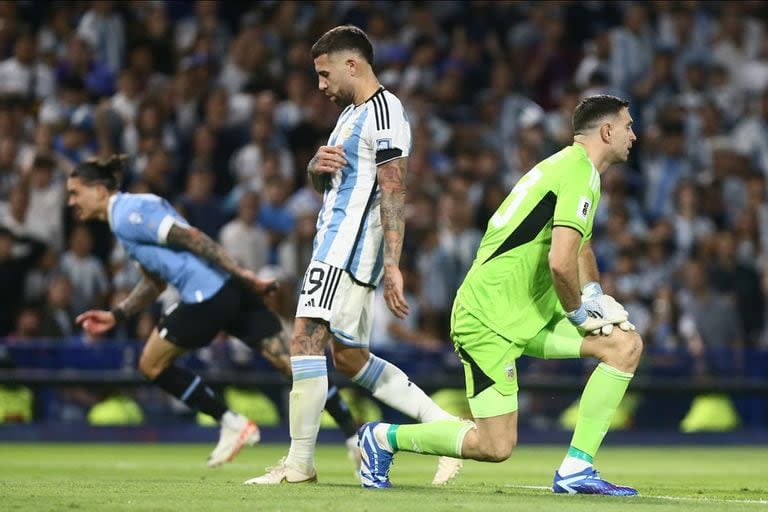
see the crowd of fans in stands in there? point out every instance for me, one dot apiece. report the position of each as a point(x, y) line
point(217, 107)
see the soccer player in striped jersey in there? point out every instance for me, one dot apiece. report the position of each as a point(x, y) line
point(361, 173)
point(216, 295)
point(533, 290)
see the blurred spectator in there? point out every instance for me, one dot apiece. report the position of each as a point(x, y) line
point(199, 205)
point(203, 23)
point(23, 74)
point(664, 170)
point(393, 332)
point(690, 225)
point(243, 238)
point(740, 282)
point(56, 315)
point(79, 62)
point(715, 319)
point(103, 29)
point(18, 255)
point(85, 271)
point(40, 201)
point(750, 137)
point(248, 164)
point(294, 253)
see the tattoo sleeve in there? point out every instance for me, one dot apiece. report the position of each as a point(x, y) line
point(391, 178)
point(317, 180)
point(142, 295)
point(197, 242)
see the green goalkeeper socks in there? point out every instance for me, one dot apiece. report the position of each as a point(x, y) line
point(444, 437)
point(599, 401)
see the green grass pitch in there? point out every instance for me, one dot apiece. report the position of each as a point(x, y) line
point(157, 477)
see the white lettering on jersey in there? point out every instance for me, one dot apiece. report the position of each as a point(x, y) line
point(518, 193)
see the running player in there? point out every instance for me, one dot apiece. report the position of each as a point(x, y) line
point(533, 290)
point(216, 295)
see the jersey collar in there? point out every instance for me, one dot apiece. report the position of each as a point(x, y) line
point(110, 206)
point(380, 90)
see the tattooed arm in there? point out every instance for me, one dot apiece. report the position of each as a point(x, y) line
point(141, 297)
point(327, 161)
point(197, 242)
point(316, 179)
point(391, 179)
point(143, 294)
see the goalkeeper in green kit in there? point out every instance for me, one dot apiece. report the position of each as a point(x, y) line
point(534, 290)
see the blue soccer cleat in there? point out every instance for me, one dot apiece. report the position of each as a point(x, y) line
point(374, 470)
point(588, 481)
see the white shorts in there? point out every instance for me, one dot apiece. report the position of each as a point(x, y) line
point(331, 294)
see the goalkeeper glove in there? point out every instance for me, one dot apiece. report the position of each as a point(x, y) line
point(597, 312)
point(593, 290)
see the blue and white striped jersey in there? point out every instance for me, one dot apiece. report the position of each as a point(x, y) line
point(349, 233)
point(141, 223)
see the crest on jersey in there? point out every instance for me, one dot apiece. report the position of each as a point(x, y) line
point(382, 144)
point(509, 371)
point(135, 218)
point(583, 209)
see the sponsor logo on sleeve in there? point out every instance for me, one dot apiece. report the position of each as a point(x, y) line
point(584, 206)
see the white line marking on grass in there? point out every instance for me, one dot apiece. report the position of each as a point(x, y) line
point(673, 498)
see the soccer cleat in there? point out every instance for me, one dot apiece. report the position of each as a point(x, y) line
point(375, 459)
point(447, 469)
point(283, 474)
point(231, 441)
point(588, 481)
point(353, 453)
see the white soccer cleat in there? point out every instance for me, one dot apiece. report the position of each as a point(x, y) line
point(231, 441)
point(354, 455)
point(283, 474)
point(447, 469)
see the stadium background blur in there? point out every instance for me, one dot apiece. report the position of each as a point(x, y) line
point(216, 105)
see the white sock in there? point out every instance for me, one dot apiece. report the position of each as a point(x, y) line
point(390, 384)
point(573, 465)
point(380, 433)
point(310, 387)
point(233, 420)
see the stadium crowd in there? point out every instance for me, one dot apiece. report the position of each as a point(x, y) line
point(217, 108)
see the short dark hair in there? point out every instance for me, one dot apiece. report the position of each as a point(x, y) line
point(594, 108)
point(344, 37)
point(107, 172)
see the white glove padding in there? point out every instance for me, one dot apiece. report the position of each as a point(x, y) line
point(597, 312)
point(608, 329)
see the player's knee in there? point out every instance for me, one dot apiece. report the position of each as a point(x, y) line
point(499, 450)
point(495, 449)
point(624, 350)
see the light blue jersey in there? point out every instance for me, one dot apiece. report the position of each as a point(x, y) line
point(349, 232)
point(141, 223)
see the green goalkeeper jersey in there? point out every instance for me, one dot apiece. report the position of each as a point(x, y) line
point(509, 287)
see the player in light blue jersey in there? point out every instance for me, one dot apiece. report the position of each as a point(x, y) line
point(361, 174)
point(216, 293)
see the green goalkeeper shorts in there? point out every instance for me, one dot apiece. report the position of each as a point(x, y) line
point(489, 358)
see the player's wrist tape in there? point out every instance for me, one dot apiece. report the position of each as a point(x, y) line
point(577, 316)
point(119, 314)
point(592, 289)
